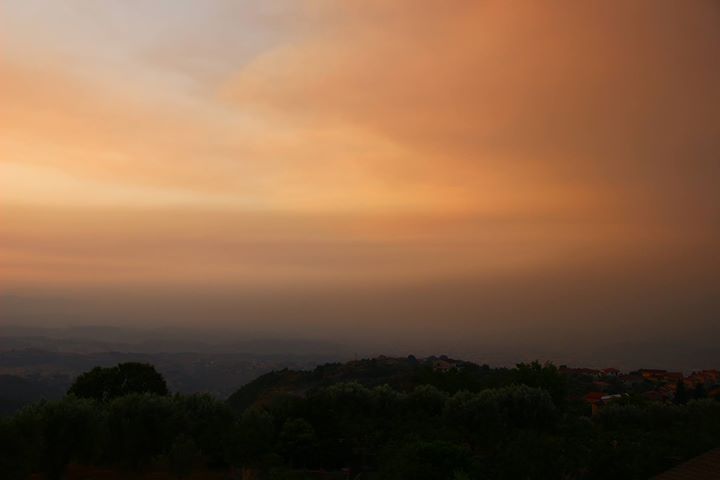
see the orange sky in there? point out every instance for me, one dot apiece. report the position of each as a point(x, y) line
point(256, 146)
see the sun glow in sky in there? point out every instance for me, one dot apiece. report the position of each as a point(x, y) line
point(230, 148)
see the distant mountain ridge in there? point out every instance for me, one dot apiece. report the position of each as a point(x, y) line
point(28, 375)
point(16, 392)
point(94, 338)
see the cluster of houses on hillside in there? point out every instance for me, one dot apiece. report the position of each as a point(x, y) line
point(610, 384)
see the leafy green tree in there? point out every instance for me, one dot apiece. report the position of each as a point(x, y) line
point(426, 460)
point(681, 396)
point(427, 400)
point(183, 456)
point(532, 454)
point(99, 384)
point(498, 427)
point(545, 376)
point(253, 440)
point(139, 427)
point(208, 421)
point(521, 406)
point(64, 430)
point(475, 415)
point(460, 475)
point(16, 448)
point(296, 441)
point(492, 414)
point(105, 384)
point(699, 391)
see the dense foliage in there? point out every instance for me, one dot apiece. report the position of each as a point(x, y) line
point(126, 378)
point(508, 424)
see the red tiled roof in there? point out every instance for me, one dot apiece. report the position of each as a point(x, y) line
point(594, 396)
point(654, 395)
point(580, 371)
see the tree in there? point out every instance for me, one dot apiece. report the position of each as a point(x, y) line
point(208, 421)
point(59, 432)
point(139, 427)
point(681, 396)
point(20, 445)
point(105, 384)
point(182, 456)
point(426, 460)
point(296, 440)
point(699, 391)
point(426, 400)
point(493, 411)
point(546, 376)
point(254, 439)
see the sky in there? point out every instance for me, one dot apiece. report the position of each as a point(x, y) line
point(421, 173)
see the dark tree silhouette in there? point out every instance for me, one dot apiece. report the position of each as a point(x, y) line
point(104, 384)
point(545, 376)
point(699, 391)
point(183, 455)
point(681, 396)
point(415, 431)
point(296, 440)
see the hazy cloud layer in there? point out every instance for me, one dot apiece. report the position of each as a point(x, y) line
point(484, 167)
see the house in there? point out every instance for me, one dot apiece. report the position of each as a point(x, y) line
point(579, 371)
point(443, 365)
point(651, 372)
point(655, 375)
point(707, 377)
point(658, 395)
point(597, 400)
point(672, 377)
point(601, 386)
point(632, 378)
point(594, 396)
point(608, 398)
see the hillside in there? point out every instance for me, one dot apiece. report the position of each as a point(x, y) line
point(402, 374)
point(16, 391)
point(373, 419)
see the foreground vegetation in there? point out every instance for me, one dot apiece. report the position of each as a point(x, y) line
point(469, 423)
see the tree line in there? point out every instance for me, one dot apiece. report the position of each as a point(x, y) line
point(124, 418)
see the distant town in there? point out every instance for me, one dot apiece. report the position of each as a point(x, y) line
point(599, 387)
point(611, 384)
